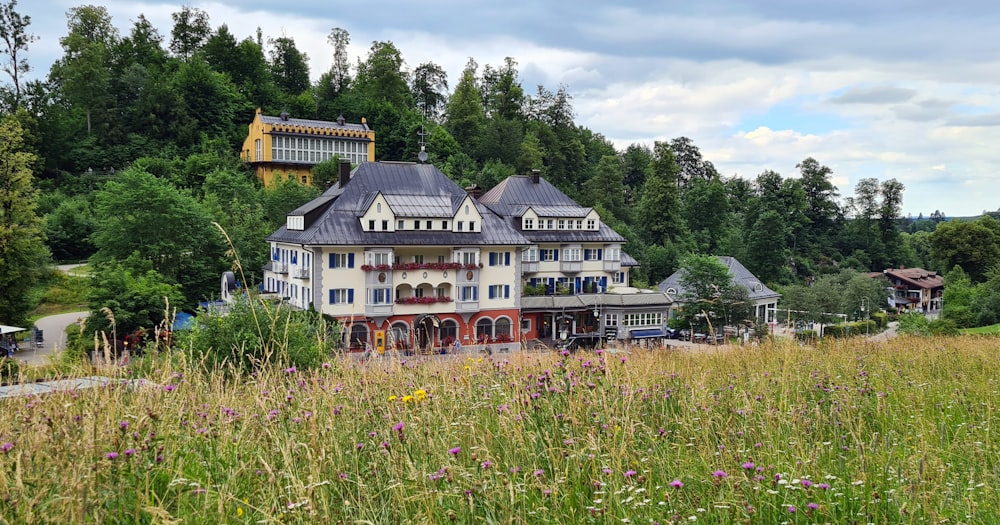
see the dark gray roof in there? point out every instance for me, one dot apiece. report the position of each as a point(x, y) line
point(267, 119)
point(339, 223)
point(606, 300)
point(512, 197)
point(741, 276)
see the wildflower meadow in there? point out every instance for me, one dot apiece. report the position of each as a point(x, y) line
point(844, 432)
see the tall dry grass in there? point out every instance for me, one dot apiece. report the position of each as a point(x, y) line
point(847, 432)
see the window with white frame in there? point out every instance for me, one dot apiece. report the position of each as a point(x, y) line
point(591, 224)
point(375, 258)
point(468, 293)
point(592, 254)
point(528, 223)
point(613, 254)
point(341, 296)
point(619, 278)
point(643, 319)
point(579, 224)
point(381, 296)
point(341, 260)
point(530, 255)
point(571, 254)
point(547, 254)
point(562, 224)
point(499, 291)
point(550, 224)
point(610, 319)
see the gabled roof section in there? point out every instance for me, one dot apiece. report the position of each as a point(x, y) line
point(511, 199)
point(523, 191)
point(917, 277)
point(421, 205)
point(741, 276)
point(401, 182)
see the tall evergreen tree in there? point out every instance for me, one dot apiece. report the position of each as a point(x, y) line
point(660, 210)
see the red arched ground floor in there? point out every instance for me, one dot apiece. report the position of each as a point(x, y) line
point(432, 333)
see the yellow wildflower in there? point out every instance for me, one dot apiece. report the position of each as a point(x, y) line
point(407, 399)
point(392, 398)
point(420, 394)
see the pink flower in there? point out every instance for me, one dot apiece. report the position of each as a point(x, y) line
point(720, 474)
point(677, 484)
point(111, 455)
point(454, 451)
point(170, 388)
point(629, 473)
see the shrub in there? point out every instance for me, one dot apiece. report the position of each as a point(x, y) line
point(914, 323)
point(881, 319)
point(255, 333)
point(10, 370)
point(943, 327)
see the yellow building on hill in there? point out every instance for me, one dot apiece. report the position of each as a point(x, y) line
point(292, 146)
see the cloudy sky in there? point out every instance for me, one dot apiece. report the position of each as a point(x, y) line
point(904, 89)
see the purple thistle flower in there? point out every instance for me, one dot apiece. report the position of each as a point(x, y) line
point(720, 474)
point(123, 425)
point(129, 452)
point(486, 464)
point(454, 451)
point(677, 484)
point(749, 465)
point(538, 473)
point(806, 483)
point(515, 470)
point(398, 427)
point(6, 447)
point(361, 446)
point(290, 370)
point(629, 473)
point(111, 455)
point(169, 388)
point(792, 509)
point(823, 486)
point(606, 470)
point(812, 506)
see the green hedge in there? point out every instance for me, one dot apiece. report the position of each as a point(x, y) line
point(849, 329)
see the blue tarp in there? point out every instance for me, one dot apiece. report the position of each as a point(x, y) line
point(183, 321)
point(649, 332)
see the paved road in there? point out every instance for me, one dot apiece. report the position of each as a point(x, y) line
point(53, 328)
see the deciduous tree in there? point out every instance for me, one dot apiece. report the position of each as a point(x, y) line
point(22, 247)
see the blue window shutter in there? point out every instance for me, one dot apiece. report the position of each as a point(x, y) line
point(331, 296)
point(350, 261)
point(475, 293)
point(333, 261)
point(586, 254)
point(491, 293)
point(506, 258)
point(576, 285)
point(604, 283)
point(493, 258)
point(555, 254)
point(506, 291)
point(350, 296)
point(600, 254)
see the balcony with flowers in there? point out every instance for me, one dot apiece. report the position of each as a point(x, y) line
point(424, 300)
point(419, 266)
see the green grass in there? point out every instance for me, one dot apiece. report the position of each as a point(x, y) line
point(982, 330)
point(850, 432)
point(62, 293)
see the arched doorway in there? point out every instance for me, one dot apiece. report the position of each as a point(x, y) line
point(423, 332)
point(359, 336)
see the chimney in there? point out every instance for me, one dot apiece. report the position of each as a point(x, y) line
point(535, 176)
point(474, 191)
point(345, 172)
point(284, 116)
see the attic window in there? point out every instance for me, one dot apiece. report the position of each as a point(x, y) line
point(758, 287)
point(672, 291)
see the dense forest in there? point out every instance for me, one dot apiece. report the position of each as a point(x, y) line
point(126, 153)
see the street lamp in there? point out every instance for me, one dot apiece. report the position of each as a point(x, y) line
point(865, 304)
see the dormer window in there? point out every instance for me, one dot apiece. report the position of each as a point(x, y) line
point(528, 224)
point(591, 224)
